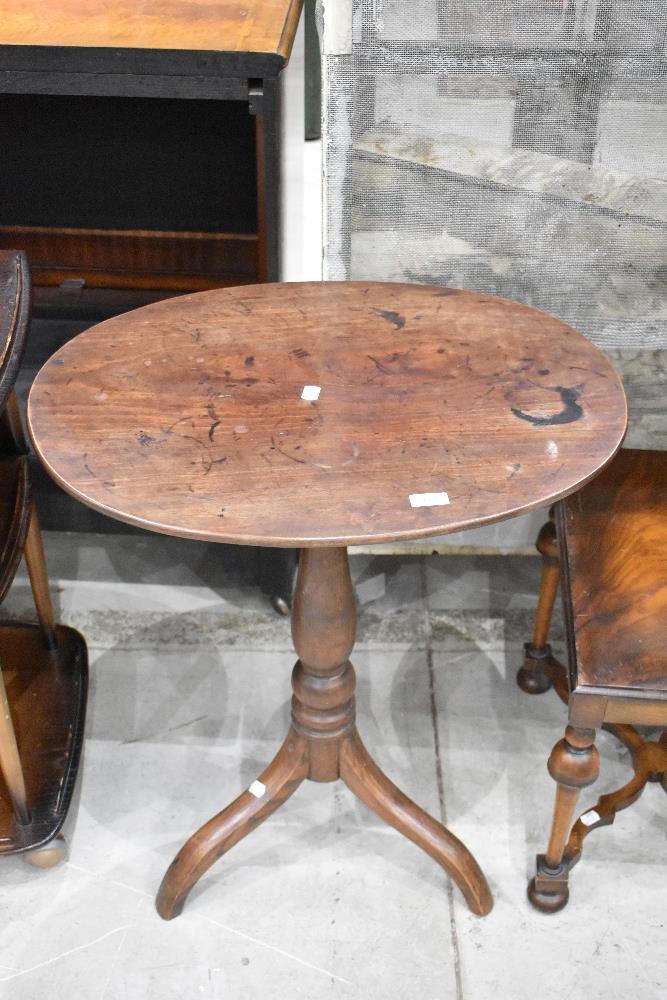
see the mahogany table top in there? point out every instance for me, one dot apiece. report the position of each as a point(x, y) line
point(187, 416)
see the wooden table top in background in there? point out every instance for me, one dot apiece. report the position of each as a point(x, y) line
point(222, 26)
point(187, 416)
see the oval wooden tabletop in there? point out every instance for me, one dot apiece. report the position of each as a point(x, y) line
point(436, 410)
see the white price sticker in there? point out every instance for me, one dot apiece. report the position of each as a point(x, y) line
point(257, 789)
point(311, 392)
point(428, 499)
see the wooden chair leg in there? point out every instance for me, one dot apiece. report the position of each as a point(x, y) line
point(535, 676)
point(574, 763)
point(39, 581)
point(10, 761)
point(649, 762)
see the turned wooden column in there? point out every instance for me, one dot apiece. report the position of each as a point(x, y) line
point(574, 763)
point(324, 626)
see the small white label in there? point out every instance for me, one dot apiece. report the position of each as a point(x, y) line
point(311, 392)
point(590, 817)
point(257, 789)
point(428, 499)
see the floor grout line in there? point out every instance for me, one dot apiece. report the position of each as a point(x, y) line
point(453, 932)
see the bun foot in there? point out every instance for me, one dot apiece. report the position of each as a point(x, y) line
point(547, 902)
point(549, 890)
point(535, 676)
point(48, 856)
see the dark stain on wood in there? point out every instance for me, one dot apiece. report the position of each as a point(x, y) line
point(392, 317)
point(571, 410)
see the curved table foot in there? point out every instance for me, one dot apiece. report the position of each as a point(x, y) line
point(363, 777)
point(280, 780)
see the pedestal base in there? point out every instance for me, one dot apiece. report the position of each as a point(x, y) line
point(322, 745)
point(297, 759)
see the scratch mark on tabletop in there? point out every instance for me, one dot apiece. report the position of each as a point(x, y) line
point(380, 367)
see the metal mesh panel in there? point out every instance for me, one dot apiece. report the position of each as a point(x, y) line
point(516, 147)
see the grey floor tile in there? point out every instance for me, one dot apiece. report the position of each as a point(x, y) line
point(482, 583)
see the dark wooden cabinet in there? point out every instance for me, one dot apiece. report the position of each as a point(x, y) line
point(141, 145)
point(134, 193)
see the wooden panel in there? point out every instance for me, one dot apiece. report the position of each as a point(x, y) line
point(121, 259)
point(638, 713)
point(209, 25)
point(591, 707)
point(613, 536)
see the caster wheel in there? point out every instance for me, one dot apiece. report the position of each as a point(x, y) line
point(49, 855)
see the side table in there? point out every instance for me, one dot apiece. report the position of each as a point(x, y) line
point(322, 415)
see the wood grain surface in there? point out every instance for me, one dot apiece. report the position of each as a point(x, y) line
point(186, 416)
point(207, 25)
point(614, 559)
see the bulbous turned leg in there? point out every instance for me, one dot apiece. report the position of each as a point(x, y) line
point(535, 676)
point(273, 787)
point(574, 763)
point(363, 777)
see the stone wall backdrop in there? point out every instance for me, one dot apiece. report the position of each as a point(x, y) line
point(517, 147)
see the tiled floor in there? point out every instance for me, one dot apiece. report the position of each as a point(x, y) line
point(189, 699)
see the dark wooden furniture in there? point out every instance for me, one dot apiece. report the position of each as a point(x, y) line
point(147, 175)
point(143, 154)
point(43, 670)
point(608, 547)
point(319, 415)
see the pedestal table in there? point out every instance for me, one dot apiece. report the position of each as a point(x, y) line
point(318, 416)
